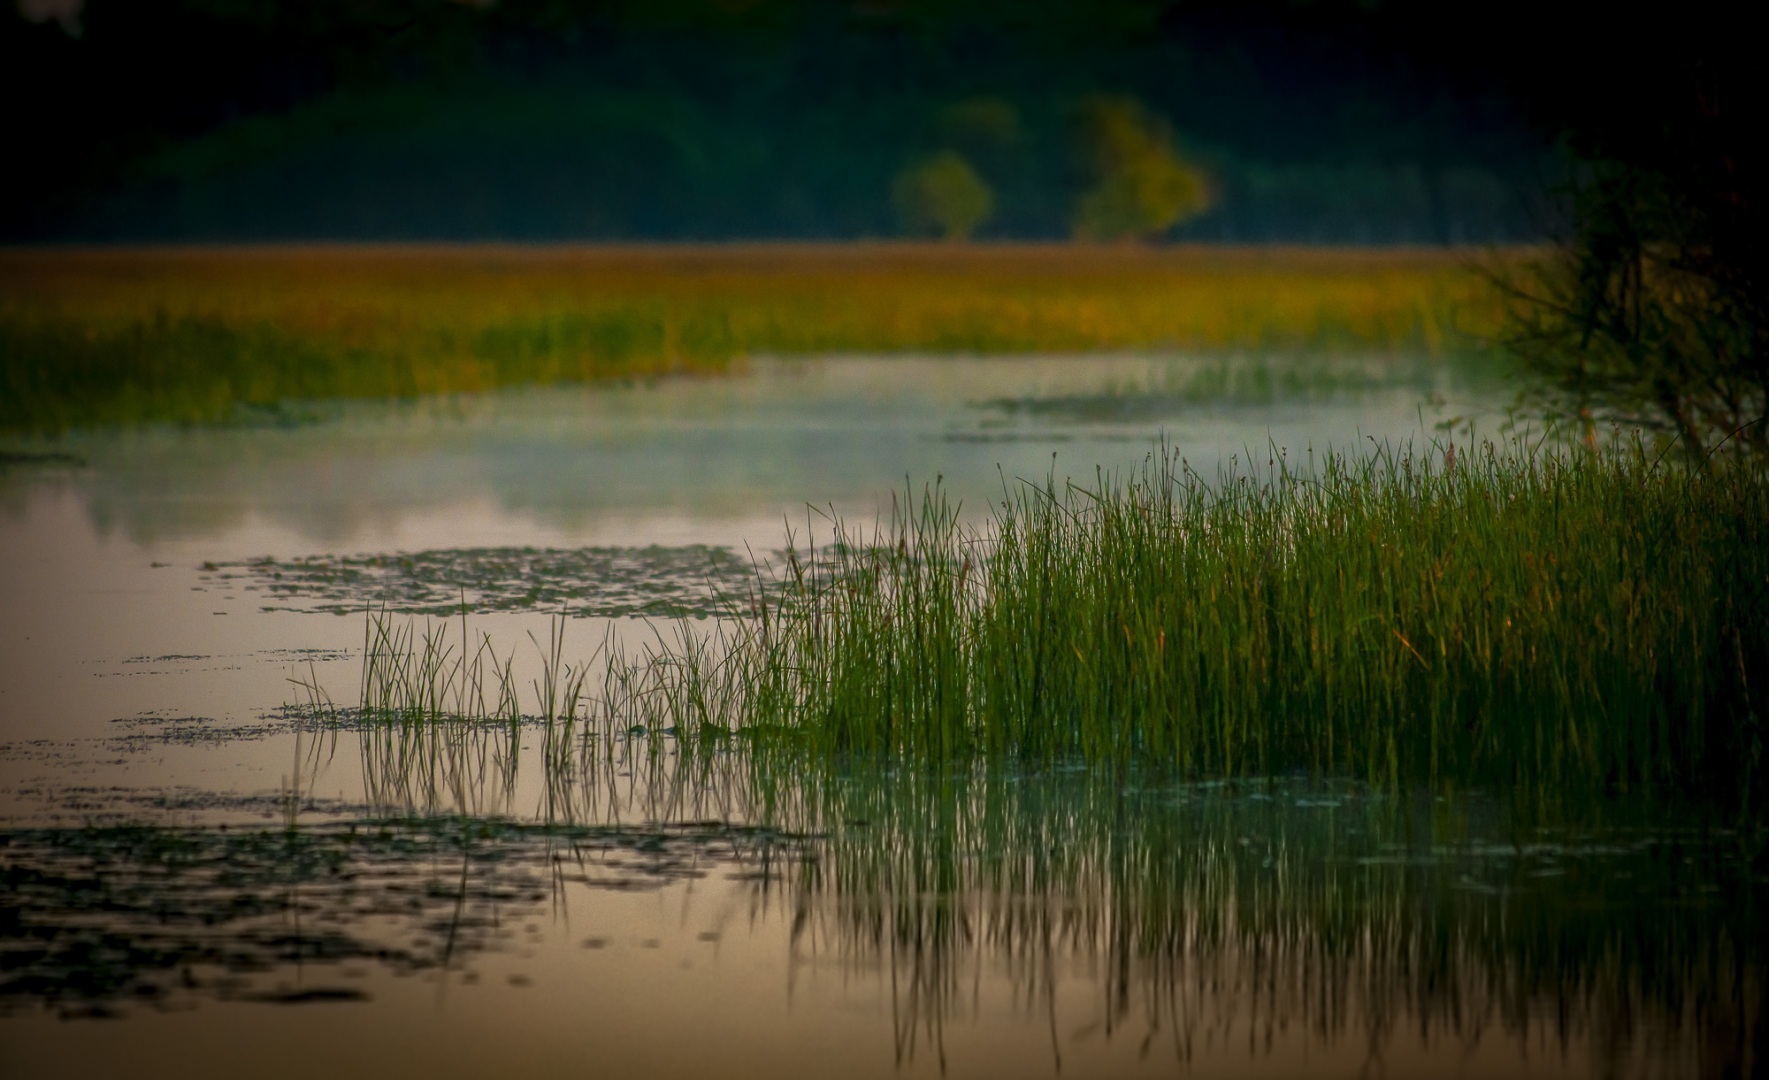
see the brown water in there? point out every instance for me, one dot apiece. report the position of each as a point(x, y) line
point(200, 881)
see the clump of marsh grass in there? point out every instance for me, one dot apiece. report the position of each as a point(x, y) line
point(1487, 614)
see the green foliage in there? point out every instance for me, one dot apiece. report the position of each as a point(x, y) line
point(1141, 187)
point(1470, 616)
point(941, 196)
point(1552, 628)
point(1644, 316)
point(1653, 308)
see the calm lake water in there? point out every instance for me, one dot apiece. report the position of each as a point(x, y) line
point(200, 880)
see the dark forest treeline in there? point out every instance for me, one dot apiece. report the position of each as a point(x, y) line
point(712, 119)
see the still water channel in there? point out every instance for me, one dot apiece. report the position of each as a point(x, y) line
point(199, 879)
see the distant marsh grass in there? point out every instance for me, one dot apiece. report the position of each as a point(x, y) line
point(196, 335)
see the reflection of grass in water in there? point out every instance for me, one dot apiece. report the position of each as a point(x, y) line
point(1215, 911)
point(128, 336)
point(1209, 914)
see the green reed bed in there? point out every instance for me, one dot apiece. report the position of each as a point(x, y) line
point(1464, 615)
point(1550, 624)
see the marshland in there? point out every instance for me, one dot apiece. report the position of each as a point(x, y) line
point(969, 708)
point(609, 547)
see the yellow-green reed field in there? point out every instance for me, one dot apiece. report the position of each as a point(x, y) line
point(193, 335)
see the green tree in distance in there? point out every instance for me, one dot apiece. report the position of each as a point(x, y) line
point(942, 196)
point(1141, 186)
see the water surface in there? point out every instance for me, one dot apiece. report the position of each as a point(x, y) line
point(200, 874)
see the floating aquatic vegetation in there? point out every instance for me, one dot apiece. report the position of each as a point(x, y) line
point(101, 920)
point(672, 582)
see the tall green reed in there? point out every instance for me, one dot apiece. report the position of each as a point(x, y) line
point(1549, 623)
point(1453, 615)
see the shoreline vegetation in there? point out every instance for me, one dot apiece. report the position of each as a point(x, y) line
point(101, 336)
point(1552, 625)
